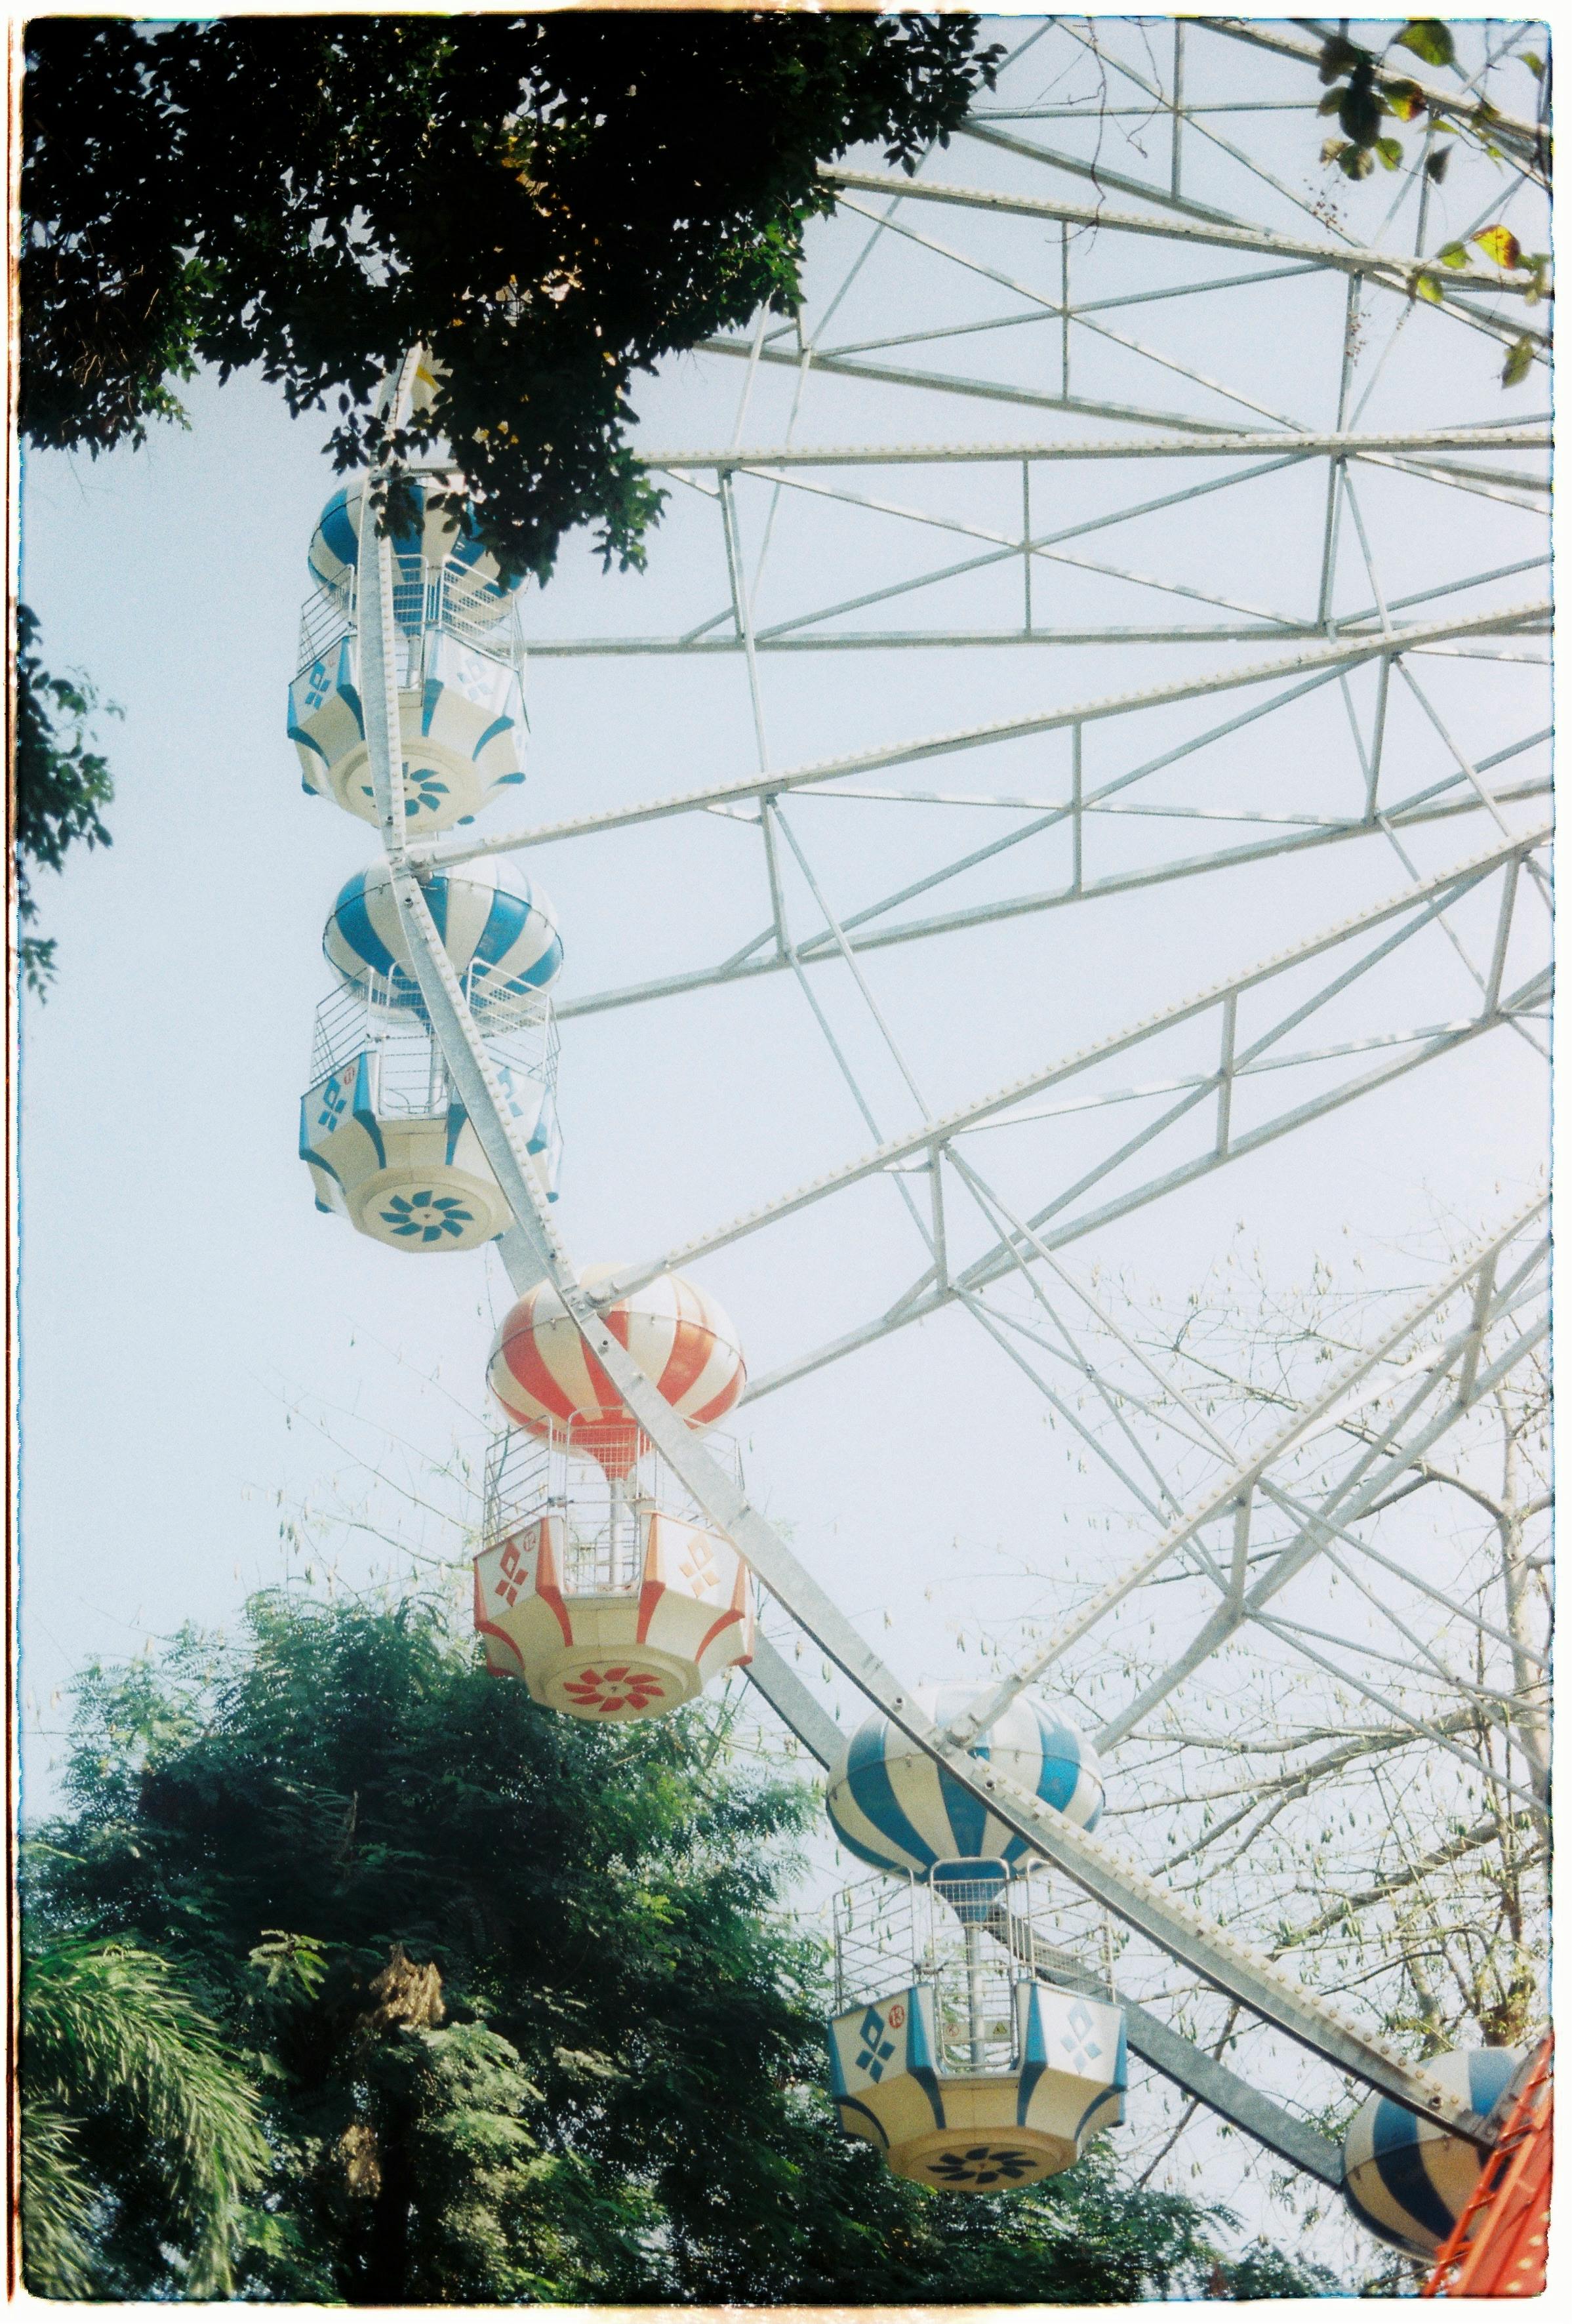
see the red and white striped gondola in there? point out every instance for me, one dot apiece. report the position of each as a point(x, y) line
point(608, 1594)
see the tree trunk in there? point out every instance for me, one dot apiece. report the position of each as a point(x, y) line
point(385, 2280)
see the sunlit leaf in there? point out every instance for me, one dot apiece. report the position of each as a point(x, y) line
point(1389, 152)
point(1520, 358)
point(1427, 286)
point(1536, 65)
point(1334, 150)
point(1427, 38)
point(1330, 102)
point(1454, 255)
point(1406, 98)
point(1500, 244)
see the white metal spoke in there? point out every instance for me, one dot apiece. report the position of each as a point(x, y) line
point(1249, 1476)
point(1424, 902)
point(1343, 653)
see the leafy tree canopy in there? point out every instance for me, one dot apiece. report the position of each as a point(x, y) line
point(516, 2001)
point(548, 203)
point(59, 784)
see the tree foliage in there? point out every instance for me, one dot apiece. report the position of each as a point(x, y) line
point(525, 2015)
point(549, 203)
point(132, 2113)
point(1368, 99)
point(60, 783)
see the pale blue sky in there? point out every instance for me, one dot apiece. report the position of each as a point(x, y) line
point(180, 1291)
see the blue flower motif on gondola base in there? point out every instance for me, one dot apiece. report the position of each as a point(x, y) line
point(981, 2166)
point(427, 1215)
point(335, 1099)
point(876, 2051)
point(424, 791)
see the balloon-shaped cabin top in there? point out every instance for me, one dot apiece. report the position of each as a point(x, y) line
point(896, 1808)
point(498, 929)
point(547, 1380)
point(1406, 2179)
point(434, 533)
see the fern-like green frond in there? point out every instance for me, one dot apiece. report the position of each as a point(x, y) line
point(57, 2205)
point(111, 2028)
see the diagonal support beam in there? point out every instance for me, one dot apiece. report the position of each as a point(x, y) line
point(1230, 445)
point(1344, 653)
point(1426, 896)
point(1398, 272)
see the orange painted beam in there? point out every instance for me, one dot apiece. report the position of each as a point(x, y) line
point(1498, 2248)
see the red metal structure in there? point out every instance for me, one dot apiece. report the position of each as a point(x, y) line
point(1497, 2249)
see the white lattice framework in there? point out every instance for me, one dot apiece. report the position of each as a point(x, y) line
point(1080, 326)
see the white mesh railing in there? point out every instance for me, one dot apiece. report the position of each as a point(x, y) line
point(428, 600)
point(409, 1075)
point(529, 1477)
point(974, 1934)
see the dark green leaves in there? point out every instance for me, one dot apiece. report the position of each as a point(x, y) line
point(1337, 56)
point(553, 203)
point(60, 782)
point(620, 2102)
point(1520, 360)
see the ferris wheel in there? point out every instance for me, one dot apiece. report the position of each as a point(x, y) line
point(1239, 644)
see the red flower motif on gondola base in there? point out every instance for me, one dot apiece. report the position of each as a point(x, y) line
point(617, 1688)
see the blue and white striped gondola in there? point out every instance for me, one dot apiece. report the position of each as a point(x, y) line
point(895, 1807)
point(462, 723)
point(1406, 2179)
point(435, 537)
point(499, 931)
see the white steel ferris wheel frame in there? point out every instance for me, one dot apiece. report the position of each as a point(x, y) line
point(1440, 1345)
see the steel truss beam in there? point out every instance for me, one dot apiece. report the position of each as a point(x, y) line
point(780, 641)
point(1370, 1476)
point(1400, 816)
point(1511, 438)
point(1392, 271)
point(1338, 654)
point(1425, 900)
point(1524, 137)
point(1238, 1969)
